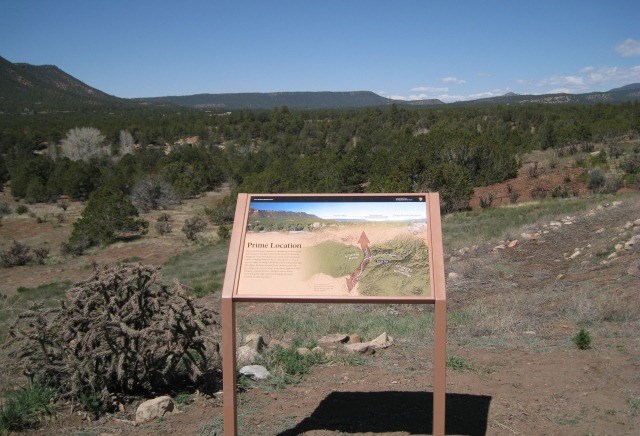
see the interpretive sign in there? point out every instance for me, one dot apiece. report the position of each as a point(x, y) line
point(368, 246)
point(348, 248)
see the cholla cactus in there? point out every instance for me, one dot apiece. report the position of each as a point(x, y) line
point(120, 332)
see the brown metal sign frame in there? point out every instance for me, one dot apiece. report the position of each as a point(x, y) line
point(230, 296)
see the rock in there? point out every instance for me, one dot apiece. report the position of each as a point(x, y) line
point(575, 254)
point(616, 204)
point(628, 225)
point(600, 230)
point(334, 338)
point(152, 409)
point(636, 223)
point(612, 255)
point(246, 356)
point(464, 250)
point(453, 259)
point(254, 341)
point(303, 351)
point(526, 236)
point(513, 243)
point(599, 207)
point(255, 372)
point(555, 224)
point(355, 338)
point(278, 343)
point(361, 347)
point(454, 276)
point(618, 247)
point(499, 247)
point(595, 153)
point(559, 276)
point(382, 341)
point(317, 350)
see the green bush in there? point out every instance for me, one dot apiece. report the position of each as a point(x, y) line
point(109, 216)
point(582, 340)
point(22, 209)
point(25, 408)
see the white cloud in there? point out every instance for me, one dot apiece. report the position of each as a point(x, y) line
point(453, 80)
point(486, 94)
point(450, 98)
point(588, 79)
point(559, 91)
point(628, 48)
point(430, 89)
point(398, 97)
point(481, 74)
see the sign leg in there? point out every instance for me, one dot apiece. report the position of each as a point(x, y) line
point(439, 367)
point(229, 388)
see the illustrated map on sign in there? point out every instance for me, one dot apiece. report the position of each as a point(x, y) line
point(336, 246)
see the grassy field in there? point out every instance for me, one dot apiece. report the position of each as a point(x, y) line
point(201, 269)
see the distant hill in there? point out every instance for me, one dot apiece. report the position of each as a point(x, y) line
point(625, 93)
point(32, 88)
point(40, 88)
point(293, 100)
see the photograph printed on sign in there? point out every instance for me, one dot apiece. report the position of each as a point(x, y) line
point(302, 247)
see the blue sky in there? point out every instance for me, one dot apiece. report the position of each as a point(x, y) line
point(452, 50)
point(370, 211)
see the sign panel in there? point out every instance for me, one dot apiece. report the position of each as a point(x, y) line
point(335, 246)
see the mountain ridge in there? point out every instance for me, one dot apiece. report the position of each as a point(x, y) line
point(28, 88)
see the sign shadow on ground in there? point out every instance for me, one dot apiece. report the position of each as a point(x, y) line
point(395, 411)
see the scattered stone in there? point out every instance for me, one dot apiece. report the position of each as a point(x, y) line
point(595, 153)
point(361, 348)
point(278, 343)
point(453, 259)
point(499, 247)
point(616, 204)
point(555, 224)
point(628, 225)
point(246, 356)
point(334, 338)
point(317, 350)
point(152, 409)
point(382, 341)
point(255, 372)
point(454, 276)
point(303, 351)
point(513, 243)
point(599, 207)
point(612, 255)
point(575, 254)
point(464, 250)
point(567, 222)
point(354, 338)
point(619, 247)
point(600, 230)
point(526, 236)
point(255, 341)
point(559, 276)
point(636, 223)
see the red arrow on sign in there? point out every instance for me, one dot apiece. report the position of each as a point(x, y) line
point(363, 241)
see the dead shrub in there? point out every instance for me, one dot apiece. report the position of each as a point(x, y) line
point(512, 194)
point(122, 332)
point(533, 170)
point(41, 255)
point(164, 224)
point(486, 202)
point(193, 226)
point(16, 255)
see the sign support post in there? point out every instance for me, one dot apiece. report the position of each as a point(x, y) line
point(231, 293)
